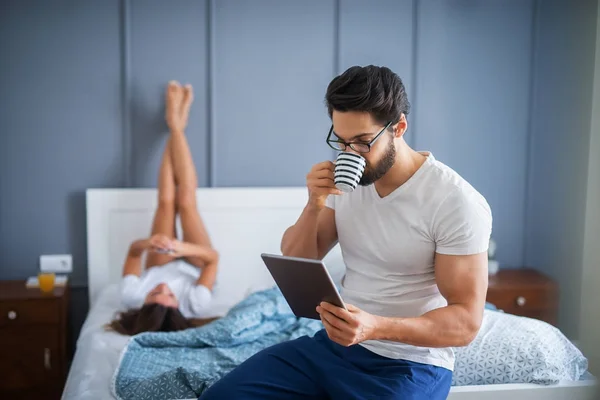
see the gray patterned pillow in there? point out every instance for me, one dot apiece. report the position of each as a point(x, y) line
point(511, 349)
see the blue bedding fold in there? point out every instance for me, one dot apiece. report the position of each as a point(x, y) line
point(183, 364)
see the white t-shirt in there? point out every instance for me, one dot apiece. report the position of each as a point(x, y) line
point(388, 245)
point(194, 300)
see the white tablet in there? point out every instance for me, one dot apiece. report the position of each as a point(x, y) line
point(304, 283)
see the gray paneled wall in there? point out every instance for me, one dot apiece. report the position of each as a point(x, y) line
point(272, 62)
point(473, 84)
point(60, 126)
point(81, 100)
point(163, 41)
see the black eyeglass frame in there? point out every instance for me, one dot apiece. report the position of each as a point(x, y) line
point(350, 144)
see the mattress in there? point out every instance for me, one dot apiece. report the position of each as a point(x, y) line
point(97, 351)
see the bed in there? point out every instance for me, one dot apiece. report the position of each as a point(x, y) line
point(242, 223)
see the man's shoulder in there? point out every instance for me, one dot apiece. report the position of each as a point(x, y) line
point(461, 217)
point(448, 182)
point(452, 192)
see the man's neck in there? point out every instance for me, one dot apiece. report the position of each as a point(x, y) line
point(408, 161)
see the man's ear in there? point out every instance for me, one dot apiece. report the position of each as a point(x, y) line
point(400, 127)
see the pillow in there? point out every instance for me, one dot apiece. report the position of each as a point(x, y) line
point(512, 349)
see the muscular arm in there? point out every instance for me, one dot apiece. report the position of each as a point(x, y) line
point(133, 262)
point(463, 281)
point(312, 236)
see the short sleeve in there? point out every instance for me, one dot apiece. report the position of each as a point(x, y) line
point(197, 302)
point(330, 201)
point(462, 224)
point(130, 298)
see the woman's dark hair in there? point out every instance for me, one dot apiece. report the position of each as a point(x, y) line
point(150, 318)
point(372, 89)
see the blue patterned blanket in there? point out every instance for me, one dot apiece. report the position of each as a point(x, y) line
point(183, 364)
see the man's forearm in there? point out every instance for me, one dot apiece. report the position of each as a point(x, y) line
point(300, 240)
point(451, 326)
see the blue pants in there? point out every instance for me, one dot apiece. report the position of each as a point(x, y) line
point(318, 368)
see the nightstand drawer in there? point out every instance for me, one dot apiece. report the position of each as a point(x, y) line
point(525, 292)
point(522, 300)
point(29, 312)
point(30, 357)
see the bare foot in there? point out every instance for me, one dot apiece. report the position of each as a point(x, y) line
point(174, 101)
point(188, 98)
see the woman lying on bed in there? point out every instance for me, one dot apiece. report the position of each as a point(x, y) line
point(176, 285)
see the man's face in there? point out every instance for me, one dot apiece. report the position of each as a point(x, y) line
point(360, 127)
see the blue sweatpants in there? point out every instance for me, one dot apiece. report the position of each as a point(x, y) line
point(318, 368)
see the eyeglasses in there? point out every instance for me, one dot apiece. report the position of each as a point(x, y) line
point(360, 147)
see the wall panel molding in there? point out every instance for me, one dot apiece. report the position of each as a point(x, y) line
point(336, 51)
point(336, 38)
point(535, 28)
point(211, 86)
point(414, 71)
point(125, 50)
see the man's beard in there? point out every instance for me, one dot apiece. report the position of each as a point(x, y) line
point(374, 173)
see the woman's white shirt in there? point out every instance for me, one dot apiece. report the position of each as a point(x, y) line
point(181, 277)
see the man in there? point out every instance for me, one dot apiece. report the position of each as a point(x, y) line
point(414, 237)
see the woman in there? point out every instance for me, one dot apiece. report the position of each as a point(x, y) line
point(176, 285)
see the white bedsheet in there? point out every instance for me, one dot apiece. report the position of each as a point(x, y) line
point(97, 352)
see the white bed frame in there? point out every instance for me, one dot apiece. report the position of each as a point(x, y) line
point(243, 223)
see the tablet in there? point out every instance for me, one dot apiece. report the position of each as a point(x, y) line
point(304, 283)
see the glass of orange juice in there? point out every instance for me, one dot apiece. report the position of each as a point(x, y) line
point(46, 281)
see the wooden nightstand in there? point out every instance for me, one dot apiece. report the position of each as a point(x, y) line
point(33, 330)
point(524, 292)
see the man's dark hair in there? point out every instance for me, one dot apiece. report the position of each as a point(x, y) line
point(372, 89)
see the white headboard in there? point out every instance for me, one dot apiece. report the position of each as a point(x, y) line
point(242, 224)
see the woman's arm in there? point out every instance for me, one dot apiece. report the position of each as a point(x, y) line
point(208, 257)
point(208, 276)
point(133, 262)
point(207, 254)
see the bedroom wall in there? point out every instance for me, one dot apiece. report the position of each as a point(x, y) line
point(82, 86)
point(563, 74)
point(590, 277)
